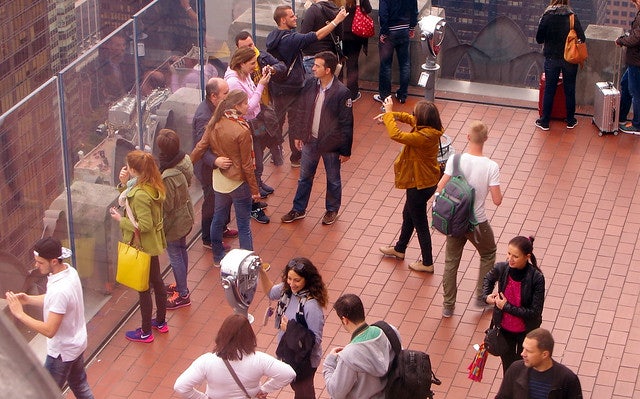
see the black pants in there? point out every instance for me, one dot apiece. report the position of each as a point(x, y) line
point(304, 388)
point(414, 216)
point(146, 304)
point(284, 103)
point(352, 50)
point(514, 341)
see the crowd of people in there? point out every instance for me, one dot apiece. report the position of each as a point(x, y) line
point(301, 69)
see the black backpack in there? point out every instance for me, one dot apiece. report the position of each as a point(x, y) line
point(410, 375)
point(453, 211)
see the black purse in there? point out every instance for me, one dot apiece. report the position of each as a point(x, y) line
point(494, 341)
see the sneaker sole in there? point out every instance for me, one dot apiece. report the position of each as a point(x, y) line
point(328, 223)
point(261, 221)
point(294, 219)
point(144, 341)
point(542, 128)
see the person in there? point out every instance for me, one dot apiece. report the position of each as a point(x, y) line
point(537, 375)
point(235, 348)
point(323, 129)
point(519, 300)
point(63, 316)
point(177, 175)
point(483, 174)
point(301, 296)
point(277, 68)
point(398, 19)
point(315, 18)
point(216, 90)
point(630, 83)
point(359, 369)
point(352, 45)
point(238, 76)
point(142, 194)
point(552, 32)
point(417, 171)
point(228, 134)
point(285, 44)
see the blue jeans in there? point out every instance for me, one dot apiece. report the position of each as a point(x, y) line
point(552, 69)
point(308, 166)
point(414, 216)
point(630, 95)
point(179, 258)
point(204, 175)
point(398, 41)
point(72, 372)
point(241, 200)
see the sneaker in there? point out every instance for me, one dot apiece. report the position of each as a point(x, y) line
point(229, 233)
point(542, 125)
point(263, 192)
point(391, 251)
point(378, 98)
point(225, 246)
point(171, 288)
point(295, 164)
point(258, 204)
point(629, 128)
point(266, 187)
point(420, 267)
point(447, 312)
point(357, 97)
point(177, 301)
point(161, 327)
point(206, 244)
point(401, 100)
point(138, 336)
point(293, 215)
point(259, 216)
point(571, 124)
point(329, 217)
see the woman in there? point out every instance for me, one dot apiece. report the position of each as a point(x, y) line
point(352, 45)
point(235, 344)
point(301, 296)
point(177, 174)
point(418, 172)
point(519, 300)
point(552, 32)
point(228, 135)
point(238, 76)
point(142, 194)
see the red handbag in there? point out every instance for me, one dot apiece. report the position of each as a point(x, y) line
point(362, 24)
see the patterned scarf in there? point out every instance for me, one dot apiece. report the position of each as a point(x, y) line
point(283, 303)
point(234, 115)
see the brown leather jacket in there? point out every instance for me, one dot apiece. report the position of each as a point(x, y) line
point(231, 139)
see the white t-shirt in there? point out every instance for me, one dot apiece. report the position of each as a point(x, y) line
point(211, 369)
point(64, 296)
point(481, 173)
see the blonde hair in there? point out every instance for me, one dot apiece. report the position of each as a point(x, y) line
point(479, 132)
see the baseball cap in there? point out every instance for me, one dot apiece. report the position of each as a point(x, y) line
point(50, 248)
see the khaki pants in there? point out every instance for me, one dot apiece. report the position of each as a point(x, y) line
point(482, 238)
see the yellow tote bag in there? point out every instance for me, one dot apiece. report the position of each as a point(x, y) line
point(133, 267)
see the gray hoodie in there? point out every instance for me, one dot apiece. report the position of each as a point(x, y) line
point(358, 371)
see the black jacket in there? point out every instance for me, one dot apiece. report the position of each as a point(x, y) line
point(515, 384)
point(397, 14)
point(286, 46)
point(532, 294)
point(336, 119)
point(554, 28)
point(632, 42)
point(315, 18)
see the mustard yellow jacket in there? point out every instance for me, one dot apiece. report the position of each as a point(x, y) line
point(417, 164)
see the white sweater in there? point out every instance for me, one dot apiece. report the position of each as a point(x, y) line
point(211, 369)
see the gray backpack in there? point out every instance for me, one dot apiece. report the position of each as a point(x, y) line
point(453, 210)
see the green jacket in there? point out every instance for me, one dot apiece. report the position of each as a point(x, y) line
point(146, 204)
point(178, 209)
point(417, 164)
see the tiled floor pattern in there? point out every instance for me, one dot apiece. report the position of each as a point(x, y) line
point(575, 191)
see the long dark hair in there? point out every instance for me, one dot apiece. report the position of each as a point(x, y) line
point(312, 278)
point(525, 245)
point(235, 338)
point(427, 114)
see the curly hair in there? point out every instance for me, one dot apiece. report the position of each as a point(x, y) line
point(313, 280)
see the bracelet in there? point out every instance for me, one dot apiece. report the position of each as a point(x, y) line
point(334, 24)
point(188, 9)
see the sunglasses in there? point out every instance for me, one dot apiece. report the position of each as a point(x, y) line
point(295, 265)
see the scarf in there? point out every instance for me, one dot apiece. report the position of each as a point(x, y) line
point(234, 115)
point(283, 303)
point(167, 161)
point(122, 199)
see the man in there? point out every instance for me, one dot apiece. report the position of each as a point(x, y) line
point(63, 316)
point(537, 375)
point(323, 128)
point(315, 18)
point(216, 90)
point(286, 44)
point(630, 83)
point(357, 370)
point(483, 175)
point(398, 19)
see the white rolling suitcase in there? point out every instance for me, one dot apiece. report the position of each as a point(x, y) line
point(606, 108)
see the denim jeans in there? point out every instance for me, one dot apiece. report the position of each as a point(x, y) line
point(414, 216)
point(482, 238)
point(179, 258)
point(307, 62)
point(552, 69)
point(72, 372)
point(398, 41)
point(160, 293)
point(308, 166)
point(241, 200)
point(630, 95)
point(204, 175)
